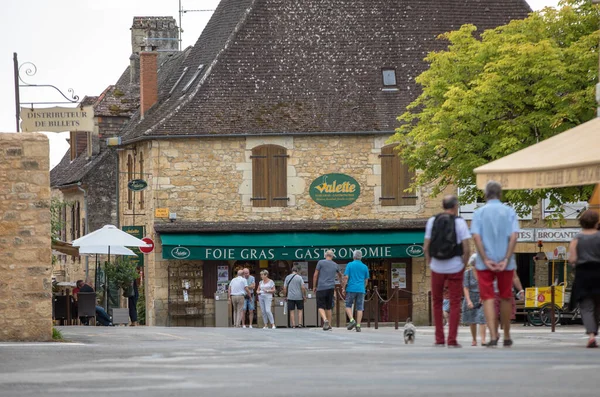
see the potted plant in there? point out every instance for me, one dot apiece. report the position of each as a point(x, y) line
point(123, 273)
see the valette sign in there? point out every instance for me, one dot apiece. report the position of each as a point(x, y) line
point(334, 190)
point(137, 185)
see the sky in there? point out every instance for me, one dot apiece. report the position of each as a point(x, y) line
point(84, 45)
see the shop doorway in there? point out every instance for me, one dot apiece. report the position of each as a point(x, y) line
point(385, 275)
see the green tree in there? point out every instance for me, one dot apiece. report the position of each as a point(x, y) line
point(490, 95)
point(56, 222)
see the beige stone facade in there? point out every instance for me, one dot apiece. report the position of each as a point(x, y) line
point(25, 258)
point(210, 179)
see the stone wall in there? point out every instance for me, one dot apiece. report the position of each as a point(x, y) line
point(25, 258)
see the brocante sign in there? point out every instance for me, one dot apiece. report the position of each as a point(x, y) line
point(57, 119)
point(334, 190)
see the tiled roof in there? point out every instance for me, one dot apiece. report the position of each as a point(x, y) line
point(68, 172)
point(279, 66)
point(121, 99)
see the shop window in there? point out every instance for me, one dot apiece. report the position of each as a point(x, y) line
point(129, 178)
point(269, 176)
point(141, 202)
point(396, 177)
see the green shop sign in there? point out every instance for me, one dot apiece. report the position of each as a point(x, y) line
point(289, 253)
point(136, 231)
point(334, 190)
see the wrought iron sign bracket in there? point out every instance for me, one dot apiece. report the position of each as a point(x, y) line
point(30, 70)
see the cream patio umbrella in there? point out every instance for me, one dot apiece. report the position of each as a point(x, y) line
point(571, 158)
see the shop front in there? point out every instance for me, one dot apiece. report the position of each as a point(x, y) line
point(388, 254)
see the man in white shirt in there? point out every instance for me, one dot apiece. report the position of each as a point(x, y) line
point(238, 288)
point(447, 250)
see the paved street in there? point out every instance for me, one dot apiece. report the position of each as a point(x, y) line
point(156, 361)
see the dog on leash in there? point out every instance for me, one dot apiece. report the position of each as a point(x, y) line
point(410, 332)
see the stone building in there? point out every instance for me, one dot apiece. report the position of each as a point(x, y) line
point(268, 146)
point(86, 178)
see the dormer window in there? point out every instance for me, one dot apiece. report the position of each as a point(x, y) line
point(194, 77)
point(389, 78)
point(178, 80)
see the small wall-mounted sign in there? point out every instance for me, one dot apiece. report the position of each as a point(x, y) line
point(180, 252)
point(137, 185)
point(334, 190)
point(415, 251)
point(161, 213)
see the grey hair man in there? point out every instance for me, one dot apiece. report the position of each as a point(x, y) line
point(295, 293)
point(238, 289)
point(324, 286)
point(356, 277)
point(249, 305)
point(495, 228)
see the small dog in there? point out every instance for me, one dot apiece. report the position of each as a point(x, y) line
point(410, 332)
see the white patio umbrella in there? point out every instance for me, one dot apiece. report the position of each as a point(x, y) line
point(111, 238)
point(103, 250)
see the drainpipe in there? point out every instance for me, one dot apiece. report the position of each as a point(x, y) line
point(85, 208)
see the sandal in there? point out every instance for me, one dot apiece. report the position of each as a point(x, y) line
point(474, 343)
point(492, 343)
point(507, 343)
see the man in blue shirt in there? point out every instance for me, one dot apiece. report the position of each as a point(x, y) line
point(495, 229)
point(355, 281)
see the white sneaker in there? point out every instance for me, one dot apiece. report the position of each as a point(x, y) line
point(243, 326)
point(273, 327)
point(249, 326)
point(265, 327)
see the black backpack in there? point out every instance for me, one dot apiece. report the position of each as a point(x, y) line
point(443, 243)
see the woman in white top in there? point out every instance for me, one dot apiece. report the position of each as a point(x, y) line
point(266, 287)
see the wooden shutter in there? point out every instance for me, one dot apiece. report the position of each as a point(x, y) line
point(395, 178)
point(260, 176)
point(269, 176)
point(277, 176)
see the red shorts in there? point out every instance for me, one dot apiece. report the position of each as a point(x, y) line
point(486, 283)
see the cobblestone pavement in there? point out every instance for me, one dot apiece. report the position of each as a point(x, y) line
point(157, 361)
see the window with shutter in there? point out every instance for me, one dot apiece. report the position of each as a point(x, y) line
point(395, 179)
point(129, 178)
point(77, 219)
point(269, 176)
point(73, 214)
point(141, 202)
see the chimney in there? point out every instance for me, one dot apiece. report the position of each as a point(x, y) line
point(148, 79)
